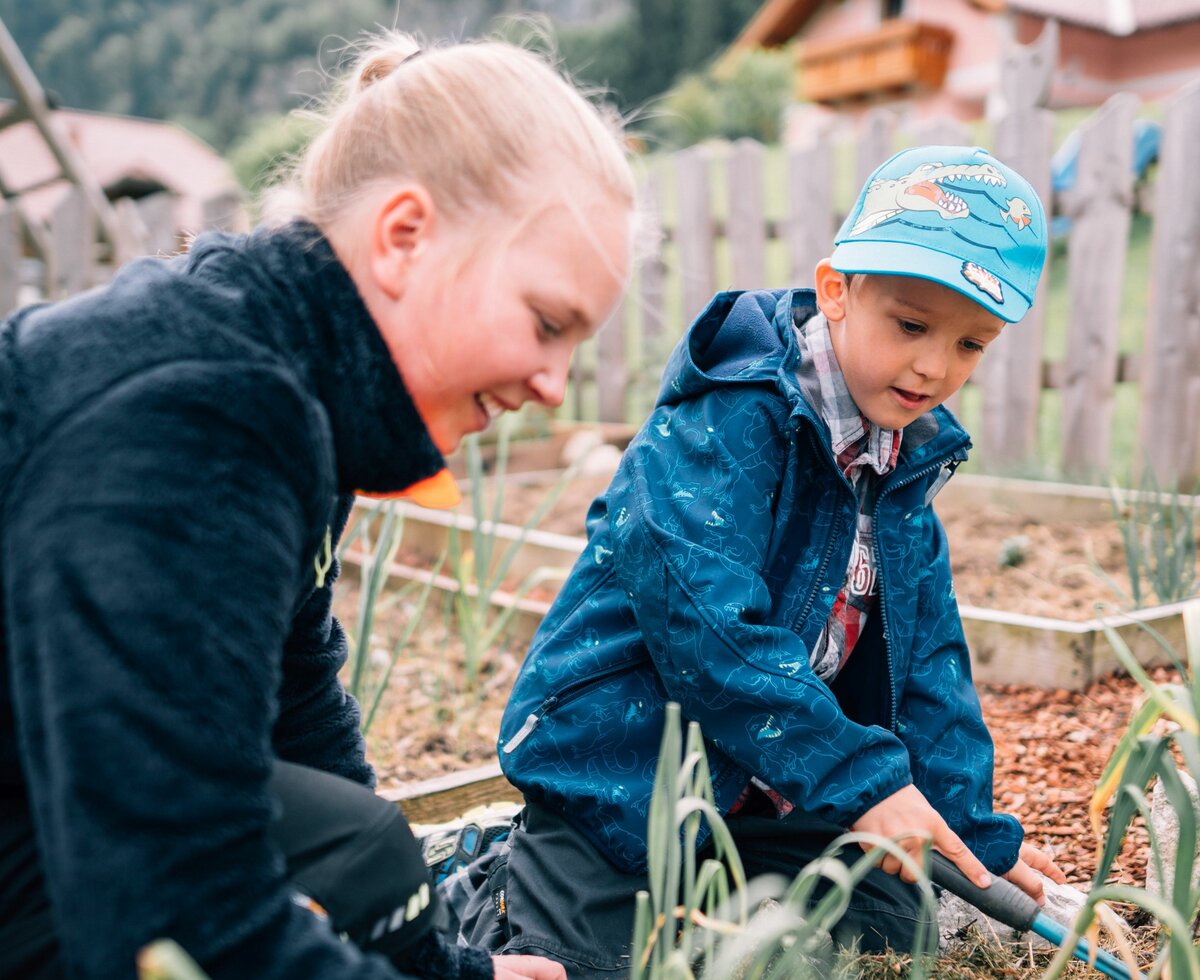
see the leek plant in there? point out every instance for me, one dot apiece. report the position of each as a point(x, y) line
point(701, 919)
point(1147, 752)
point(481, 565)
point(1158, 531)
point(379, 528)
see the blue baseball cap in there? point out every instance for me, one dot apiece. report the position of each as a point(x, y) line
point(953, 214)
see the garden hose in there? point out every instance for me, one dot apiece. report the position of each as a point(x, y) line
point(1006, 903)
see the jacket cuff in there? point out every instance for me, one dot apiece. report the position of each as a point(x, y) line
point(436, 958)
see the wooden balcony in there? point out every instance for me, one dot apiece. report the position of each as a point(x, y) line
point(903, 55)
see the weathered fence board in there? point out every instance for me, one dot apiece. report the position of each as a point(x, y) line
point(652, 273)
point(694, 230)
point(10, 256)
point(1098, 206)
point(875, 140)
point(611, 365)
point(1170, 381)
point(73, 239)
point(747, 224)
point(1011, 372)
point(811, 223)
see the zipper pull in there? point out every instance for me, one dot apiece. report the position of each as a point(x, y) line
point(523, 733)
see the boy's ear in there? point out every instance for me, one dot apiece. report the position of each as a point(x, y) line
point(400, 233)
point(831, 289)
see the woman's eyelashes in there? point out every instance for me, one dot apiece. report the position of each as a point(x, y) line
point(547, 329)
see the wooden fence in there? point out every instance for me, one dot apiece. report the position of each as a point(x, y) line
point(66, 255)
point(1049, 395)
point(1022, 401)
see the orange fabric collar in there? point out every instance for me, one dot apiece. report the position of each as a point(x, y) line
point(439, 492)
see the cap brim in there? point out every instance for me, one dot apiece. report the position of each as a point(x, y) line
point(903, 259)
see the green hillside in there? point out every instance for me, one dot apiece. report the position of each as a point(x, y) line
point(220, 68)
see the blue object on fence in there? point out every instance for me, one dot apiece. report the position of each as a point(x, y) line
point(1147, 135)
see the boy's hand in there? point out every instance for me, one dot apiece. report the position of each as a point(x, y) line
point(527, 968)
point(907, 812)
point(1027, 873)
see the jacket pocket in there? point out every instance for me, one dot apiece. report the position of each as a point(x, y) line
point(566, 696)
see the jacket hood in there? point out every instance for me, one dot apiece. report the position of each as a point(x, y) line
point(741, 337)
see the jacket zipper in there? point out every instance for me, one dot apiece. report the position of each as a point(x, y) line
point(887, 643)
point(828, 554)
point(565, 696)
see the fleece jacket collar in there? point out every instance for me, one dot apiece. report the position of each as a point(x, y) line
point(320, 319)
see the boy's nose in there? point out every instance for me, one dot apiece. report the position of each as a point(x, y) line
point(930, 363)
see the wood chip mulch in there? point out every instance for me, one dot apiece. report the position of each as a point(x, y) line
point(1051, 748)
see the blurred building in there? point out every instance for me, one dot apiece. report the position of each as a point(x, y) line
point(154, 163)
point(943, 56)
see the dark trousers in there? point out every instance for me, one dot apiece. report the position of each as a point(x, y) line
point(346, 849)
point(563, 899)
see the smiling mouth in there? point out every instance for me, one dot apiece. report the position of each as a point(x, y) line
point(492, 406)
point(910, 396)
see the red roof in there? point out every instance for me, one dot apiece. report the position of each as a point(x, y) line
point(116, 150)
point(778, 21)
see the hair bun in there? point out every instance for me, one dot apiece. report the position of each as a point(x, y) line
point(383, 57)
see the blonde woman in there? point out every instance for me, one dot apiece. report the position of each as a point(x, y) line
point(180, 451)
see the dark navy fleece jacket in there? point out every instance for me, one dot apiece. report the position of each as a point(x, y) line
point(173, 449)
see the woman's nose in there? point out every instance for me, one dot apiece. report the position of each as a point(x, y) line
point(549, 385)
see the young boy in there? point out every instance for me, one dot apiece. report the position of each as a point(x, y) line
point(767, 555)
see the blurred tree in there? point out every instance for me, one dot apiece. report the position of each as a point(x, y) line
point(224, 66)
point(748, 101)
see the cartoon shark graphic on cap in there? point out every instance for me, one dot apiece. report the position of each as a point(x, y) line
point(924, 189)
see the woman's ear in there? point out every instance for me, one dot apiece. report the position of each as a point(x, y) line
point(832, 289)
point(402, 227)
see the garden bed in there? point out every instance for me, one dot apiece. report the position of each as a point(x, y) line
point(1051, 745)
point(1052, 739)
point(1033, 566)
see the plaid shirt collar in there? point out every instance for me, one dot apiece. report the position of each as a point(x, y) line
point(857, 441)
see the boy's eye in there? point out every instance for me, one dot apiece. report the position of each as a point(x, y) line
point(547, 329)
point(908, 326)
point(974, 346)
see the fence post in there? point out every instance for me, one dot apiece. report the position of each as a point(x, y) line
point(810, 224)
point(651, 293)
point(611, 374)
point(132, 232)
point(875, 138)
point(157, 212)
point(941, 131)
point(1170, 376)
point(1098, 206)
point(746, 229)
point(1011, 374)
point(73, 242)
point(694, 230)
point(223, 212)
point(10, 258)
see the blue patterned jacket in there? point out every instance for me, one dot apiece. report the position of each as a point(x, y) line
point(712, 562)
